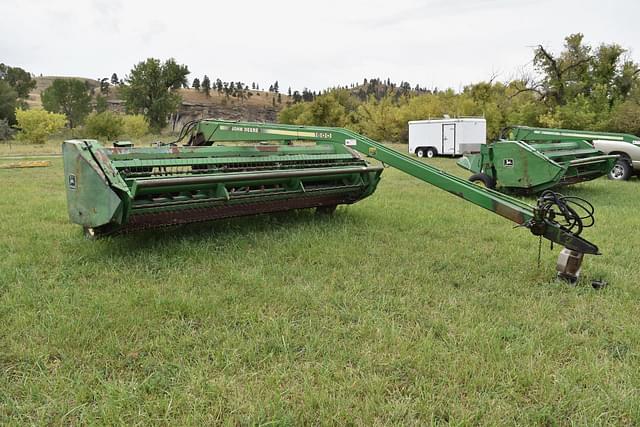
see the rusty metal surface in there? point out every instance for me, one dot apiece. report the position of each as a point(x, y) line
point(509, 213)
point(188, 216)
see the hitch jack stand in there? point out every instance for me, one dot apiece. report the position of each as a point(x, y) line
point(568, 265)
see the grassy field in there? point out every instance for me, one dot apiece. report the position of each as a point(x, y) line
point(411, 307)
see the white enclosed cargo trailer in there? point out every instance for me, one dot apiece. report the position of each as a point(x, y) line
point(447, 137)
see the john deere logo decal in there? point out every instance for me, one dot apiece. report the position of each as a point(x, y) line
point(507, 163)
point(72, 181)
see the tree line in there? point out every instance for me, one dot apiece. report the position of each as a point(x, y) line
point(150, 89)
point(581, 87)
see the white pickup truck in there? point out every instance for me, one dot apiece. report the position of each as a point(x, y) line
point(629, 161)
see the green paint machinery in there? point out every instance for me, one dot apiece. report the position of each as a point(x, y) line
point(123, 188)
point(221, 169)
point(530, 167)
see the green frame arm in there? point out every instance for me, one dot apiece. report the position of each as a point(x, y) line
point(508, 207)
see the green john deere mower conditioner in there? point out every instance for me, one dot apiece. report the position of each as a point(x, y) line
point(122, 189)
point(530, 167)
point(623, 145)
point(229, 169)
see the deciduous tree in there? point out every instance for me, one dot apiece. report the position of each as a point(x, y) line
point(149, 89)
point(19, 79)
point(101, 104)
point(70, 97)
point(8, 102)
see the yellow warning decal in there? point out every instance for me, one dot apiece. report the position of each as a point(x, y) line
point(290, 133)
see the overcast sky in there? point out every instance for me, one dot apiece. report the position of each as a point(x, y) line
point(317, 44)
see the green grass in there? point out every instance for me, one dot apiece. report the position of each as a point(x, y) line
point(17, 148)
point(410, 307)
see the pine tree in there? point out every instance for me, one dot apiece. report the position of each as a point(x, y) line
point(196, 84)
point(114, 79)
point(206, 86)
point(104, 86)
point(289, 91)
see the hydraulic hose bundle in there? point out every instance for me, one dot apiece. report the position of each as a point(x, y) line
point(571, 212)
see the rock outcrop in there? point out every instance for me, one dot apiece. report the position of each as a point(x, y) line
point(191, 111)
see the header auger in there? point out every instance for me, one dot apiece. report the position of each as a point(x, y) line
point(228, 169)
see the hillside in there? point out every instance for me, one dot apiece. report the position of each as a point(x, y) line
point(259, 106)
point(43, 82)
point(258, 98)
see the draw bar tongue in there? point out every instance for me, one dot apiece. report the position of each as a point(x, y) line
point(566, 238)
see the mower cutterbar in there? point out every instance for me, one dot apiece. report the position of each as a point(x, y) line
point(232, 169)
point(529, 168)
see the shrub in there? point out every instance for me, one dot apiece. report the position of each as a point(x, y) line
point(37, 125)
point(135, 126)
point(106, 125)
point(626, 118)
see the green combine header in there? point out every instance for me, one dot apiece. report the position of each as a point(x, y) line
point(228, 169)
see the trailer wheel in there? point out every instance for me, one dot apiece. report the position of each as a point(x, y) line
point(483, 180)
point(426, 152)
point(621, 171)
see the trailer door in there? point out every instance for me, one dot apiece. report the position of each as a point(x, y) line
point(448, 139)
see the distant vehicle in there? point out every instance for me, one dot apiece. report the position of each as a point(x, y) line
point(447, 137)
